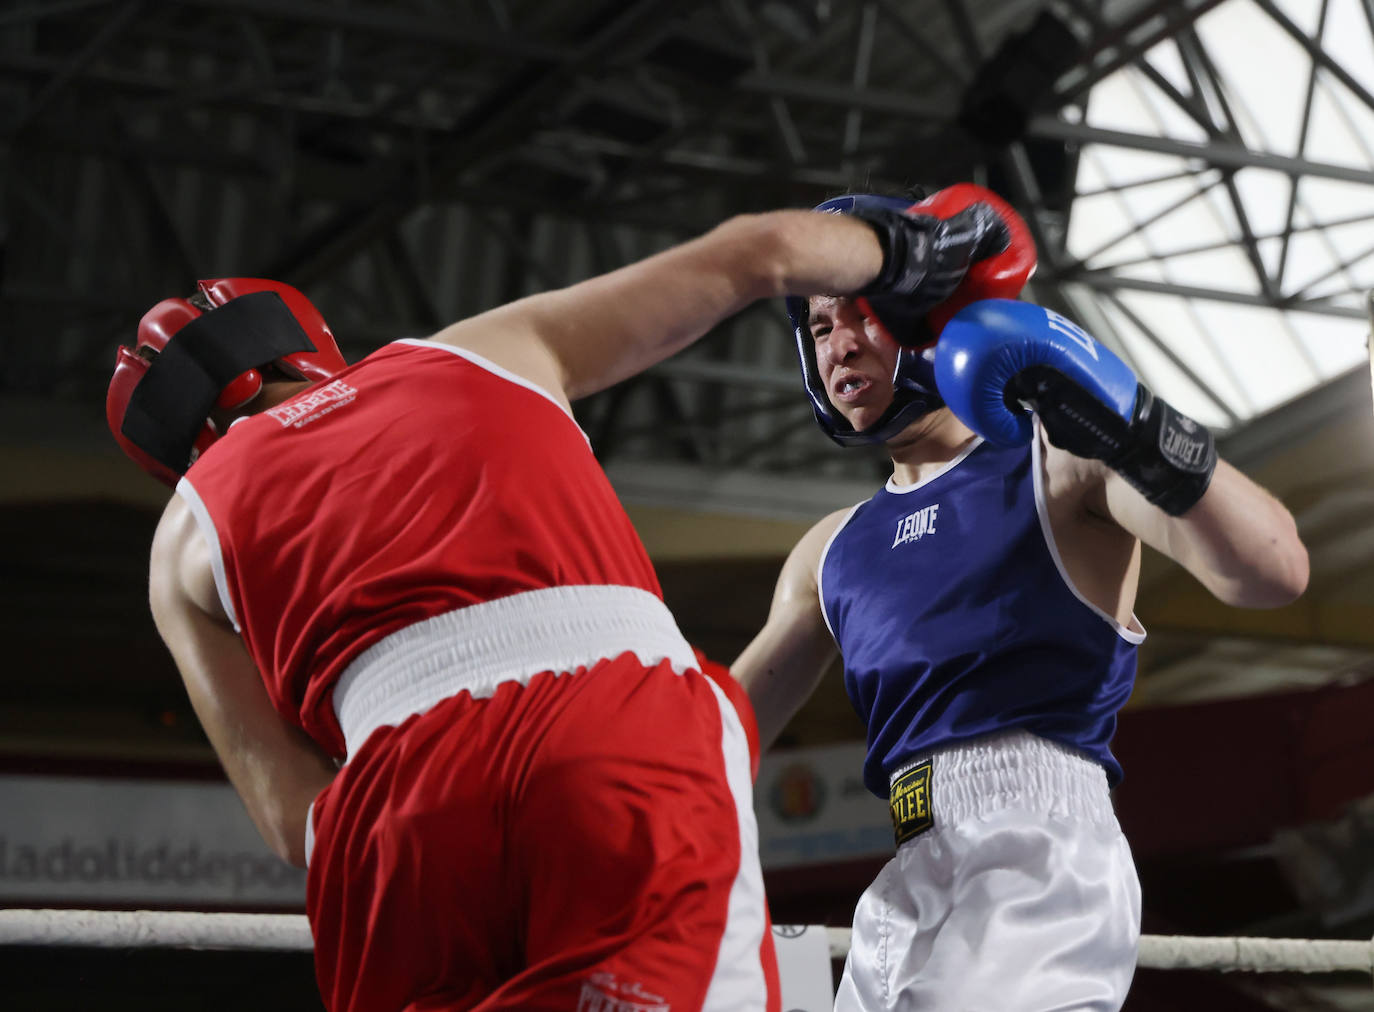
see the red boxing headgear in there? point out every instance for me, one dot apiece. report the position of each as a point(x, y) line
point(165, 430)
point(998, 277)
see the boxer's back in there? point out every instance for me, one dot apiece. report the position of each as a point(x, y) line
point(420, 481)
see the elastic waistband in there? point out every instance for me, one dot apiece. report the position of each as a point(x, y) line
point(1012, 770)
point(511, 639)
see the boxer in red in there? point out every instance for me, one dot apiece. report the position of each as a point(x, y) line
point(429, 648)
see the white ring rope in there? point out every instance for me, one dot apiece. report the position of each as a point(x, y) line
point(291, 933)
point(1258, 955)
point(162, 929)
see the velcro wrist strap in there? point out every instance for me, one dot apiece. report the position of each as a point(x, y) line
point(1171, 457)
point(906, 243)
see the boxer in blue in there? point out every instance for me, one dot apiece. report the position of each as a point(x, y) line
point(982, 602)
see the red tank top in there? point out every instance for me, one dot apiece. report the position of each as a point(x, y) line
point(421, 480)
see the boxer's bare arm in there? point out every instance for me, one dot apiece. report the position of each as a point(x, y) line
point(1240, 542)
point(274, 767)
point(584, 338)
point(781, 667)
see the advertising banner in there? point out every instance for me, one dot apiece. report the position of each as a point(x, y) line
point(813, 808)
point(124, 841)
point(118, 841)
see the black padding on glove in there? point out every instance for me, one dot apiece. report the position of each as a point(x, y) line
point(1164, 455)
point(924, 257)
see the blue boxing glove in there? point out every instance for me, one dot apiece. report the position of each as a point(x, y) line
point(997, 359)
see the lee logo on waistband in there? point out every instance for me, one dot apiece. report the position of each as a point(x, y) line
point(909, 796)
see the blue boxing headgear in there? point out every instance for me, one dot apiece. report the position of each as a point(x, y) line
point(913, 381)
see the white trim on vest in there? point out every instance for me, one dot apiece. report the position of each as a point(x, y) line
point(820, 566)
point(1043, 510)
point(495, 370)
point(206, 525)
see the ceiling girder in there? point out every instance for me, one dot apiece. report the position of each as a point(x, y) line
point(103, 39)
point(1119, 47)
point(1319, 55)
point(505, 116)
point(381, 20)
point(1226, 156)
point(801, 121)
point(1110, 282)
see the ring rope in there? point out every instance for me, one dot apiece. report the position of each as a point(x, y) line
point(290, 932)
point(162, 929)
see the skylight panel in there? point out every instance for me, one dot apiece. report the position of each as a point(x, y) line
point(1347, 39)
point(1178, 223)
point(1265, 71)
point(1191, 225)
point(1163, 116)
point(1311, 258)
point(1115, 103)
point(1271, 253)
point(1259, 351)
point(1322, 201)
point(1101, 233)
point(1165, 199)
point(1163, 376)
point(1102, 227)
point(1265, 194)
point(1334, 345)
point(1090, 177)
point(1342, 127)
point(1164, 58)
point(1172, 319)
point(1129, 167)
point(1334, 292)
point(1141, 269)
point(1353, 244)
point(1226, 268)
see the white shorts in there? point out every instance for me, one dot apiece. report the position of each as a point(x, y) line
point(1022, 897)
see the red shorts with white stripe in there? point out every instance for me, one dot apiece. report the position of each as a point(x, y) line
point(582, 841)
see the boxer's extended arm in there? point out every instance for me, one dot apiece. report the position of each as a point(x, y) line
point(275, 768)
point(591, 335)
point(781, 667)
point(1239, 541)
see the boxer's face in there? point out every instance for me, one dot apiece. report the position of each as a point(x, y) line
point(855, 357)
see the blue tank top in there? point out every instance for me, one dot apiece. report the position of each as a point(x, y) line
point(955, 619)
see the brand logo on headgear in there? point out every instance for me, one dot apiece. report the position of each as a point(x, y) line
point(313, 404)
point(604, 993)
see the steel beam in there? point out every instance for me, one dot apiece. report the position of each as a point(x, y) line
point(1105, 281)
point(1227, 156)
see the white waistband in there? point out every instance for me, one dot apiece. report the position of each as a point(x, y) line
point(1015, 769)
point(511, 639)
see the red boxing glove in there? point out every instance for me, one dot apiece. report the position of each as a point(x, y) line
point(1001, 276)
